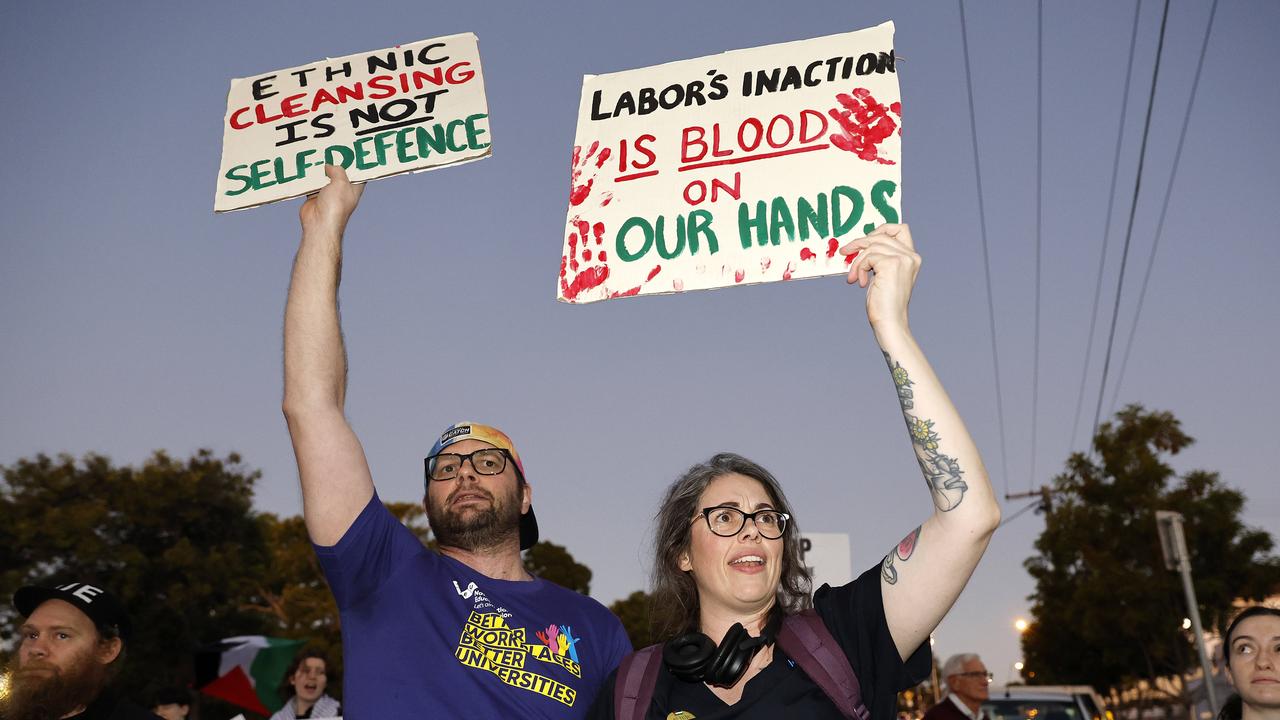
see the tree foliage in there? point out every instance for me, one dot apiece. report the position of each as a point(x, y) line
point(553, 562)
point(176, 540)
point(633, 611)
point(1106, 610)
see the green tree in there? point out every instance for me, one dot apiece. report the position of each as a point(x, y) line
point(633, 611)
point(553, 562)
point(176, 540)
point(1106, 610)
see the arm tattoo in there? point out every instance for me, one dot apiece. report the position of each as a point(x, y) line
point(903, 552)
point(942, 472)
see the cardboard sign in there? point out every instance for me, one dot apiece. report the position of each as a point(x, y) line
point(745, 167)
point(827, 557)
point(407, 108)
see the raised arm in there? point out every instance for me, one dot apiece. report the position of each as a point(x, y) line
point(924, 574)
point(336, 484)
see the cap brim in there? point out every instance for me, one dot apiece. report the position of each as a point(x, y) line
point(30, 597)
point(528, 529)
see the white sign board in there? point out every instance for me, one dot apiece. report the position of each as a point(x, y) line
point(827, 557)
point(745, 167)
point(411, 107)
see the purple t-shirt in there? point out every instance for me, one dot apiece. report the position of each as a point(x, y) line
point(426, 636)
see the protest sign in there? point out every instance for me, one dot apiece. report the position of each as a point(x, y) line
point(745, 167)
point(408, 108)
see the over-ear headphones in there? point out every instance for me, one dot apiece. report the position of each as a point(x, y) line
point(695, 658)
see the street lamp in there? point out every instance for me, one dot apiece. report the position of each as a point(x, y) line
point(1021, 625)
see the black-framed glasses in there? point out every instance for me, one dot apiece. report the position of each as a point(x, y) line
point(728, 521)
point(446, 466)
point(984, 674)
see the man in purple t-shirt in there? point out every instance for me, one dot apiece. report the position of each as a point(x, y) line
point(467, 632)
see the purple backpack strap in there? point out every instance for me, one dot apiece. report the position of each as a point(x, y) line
point(633, 688)
point(807, 641)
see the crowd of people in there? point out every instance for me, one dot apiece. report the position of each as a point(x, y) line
point(467, 631)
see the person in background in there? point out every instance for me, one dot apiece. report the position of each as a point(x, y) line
point(304, 688)
point(1251, 647)
point(73, 640)
point(967, 688)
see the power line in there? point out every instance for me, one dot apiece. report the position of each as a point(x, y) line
point(1035, 372)
point(986, 257)
point(1164, 209)
point(1128, 234)
point(1106, 235)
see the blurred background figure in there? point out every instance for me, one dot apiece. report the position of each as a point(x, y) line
point(171, 703)
point(1251, 647)
point(72, 644)
point(967, 688)
point(304, 688)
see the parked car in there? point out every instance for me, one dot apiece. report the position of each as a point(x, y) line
point(1046, 702)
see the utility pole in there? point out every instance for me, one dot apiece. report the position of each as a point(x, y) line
point(1173, 544)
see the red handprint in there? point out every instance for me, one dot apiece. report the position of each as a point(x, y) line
point(585, 265)
point(578, 191)
point(864, 124)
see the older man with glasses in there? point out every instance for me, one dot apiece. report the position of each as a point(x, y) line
point(967, 688)
point(467, 631)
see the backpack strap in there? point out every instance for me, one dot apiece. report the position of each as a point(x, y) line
point(807, 641)
point(633, 687)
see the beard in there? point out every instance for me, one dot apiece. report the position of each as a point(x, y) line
point(474, 529)
point(55, 692)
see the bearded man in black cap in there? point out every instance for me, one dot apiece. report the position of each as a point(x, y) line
point(72, 645)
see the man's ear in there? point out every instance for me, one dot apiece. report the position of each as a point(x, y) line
point(109, 650)
point(526, 501)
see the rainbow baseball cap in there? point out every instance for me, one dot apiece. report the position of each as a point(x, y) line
point(487, 433)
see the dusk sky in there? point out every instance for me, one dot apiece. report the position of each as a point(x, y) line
point(133, 318)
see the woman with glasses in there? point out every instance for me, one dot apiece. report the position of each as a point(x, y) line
point(731, 593)
point(1251, 647)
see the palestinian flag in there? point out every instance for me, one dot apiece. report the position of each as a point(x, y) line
point(246, 671)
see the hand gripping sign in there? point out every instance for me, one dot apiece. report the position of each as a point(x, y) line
point(745, 167)
point(408, 108)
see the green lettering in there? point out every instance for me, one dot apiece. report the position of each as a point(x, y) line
point(662, 239)
point(474, 133)
point(301, 161)
point(258, 176)
point(344, 154)
point(434, 142)
point(402, 145)
point(621, 243)
point(746, 222)
point(879, 193)
point(780, 219)
point(454, 125)
point(700, 223)
point(809, 217)
point(363, 154)
point(247, 180)
point(281, 178)
point(855, 197)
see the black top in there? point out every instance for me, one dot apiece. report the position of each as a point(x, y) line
point(854, 614)
point(110, 707)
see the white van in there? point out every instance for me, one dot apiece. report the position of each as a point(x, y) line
point(1045, 702)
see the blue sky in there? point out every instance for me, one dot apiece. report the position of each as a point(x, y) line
point(133, 318)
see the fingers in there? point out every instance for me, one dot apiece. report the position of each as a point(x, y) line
point(885, 243)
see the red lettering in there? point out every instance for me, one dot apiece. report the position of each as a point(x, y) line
point(805, 115)
point(642, 147)
point(292, 105)
point(262, 116)
point(235, 116)
point(759, 130)
point(687, 141)
point(380, 83)
point(715, 143)
point(769, 134)
point(459, 73)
